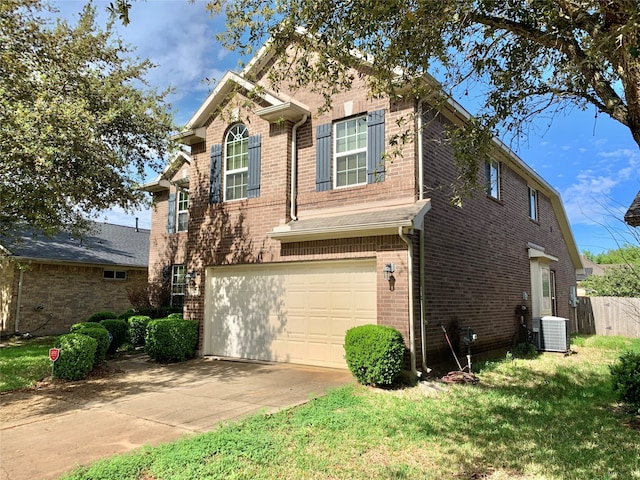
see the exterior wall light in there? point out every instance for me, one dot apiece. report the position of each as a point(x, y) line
point(388, 270)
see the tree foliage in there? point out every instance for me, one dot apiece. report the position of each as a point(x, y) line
point(532, 58)
point(78, 122)
point(627, 254)
point(621, 281)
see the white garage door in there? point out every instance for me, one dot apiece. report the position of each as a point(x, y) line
point(297, 312)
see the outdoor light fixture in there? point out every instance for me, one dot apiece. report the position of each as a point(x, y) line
point(388, 270)
point(190, 277)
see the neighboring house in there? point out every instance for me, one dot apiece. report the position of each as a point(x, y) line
point(591, 268)
point(282, 228)
point(48, 284)
point(632, 217)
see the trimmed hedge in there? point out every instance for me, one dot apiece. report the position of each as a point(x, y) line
point(127, 314)
point(102, 315)
point(171, 340)
point(77, 353)
point(80, 325)
point(138, 328)
point(119, 330)
point(374, 354)
point(101, 335)
point(625, 376)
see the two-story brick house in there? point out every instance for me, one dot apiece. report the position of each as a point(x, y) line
point(281, 229)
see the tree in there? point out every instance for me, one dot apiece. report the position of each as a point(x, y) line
point(533, 58)
point(78, 122)
point(621, 281)
point(627, 254)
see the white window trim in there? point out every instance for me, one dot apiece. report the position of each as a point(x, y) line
point(175, 274)
point(349, 152)
point(179, 211)
point(533, 204)
point(494, 165)
point(228, 173)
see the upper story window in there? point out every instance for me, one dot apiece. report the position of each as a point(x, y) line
point(236, 163)
point(533, 204)
point(350, 152)
point(183, 211)
point(492, 178)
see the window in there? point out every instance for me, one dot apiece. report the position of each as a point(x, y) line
point(492, 179)
point(183, 211)
point(178, 283)
point(114, 275)
point(236, 163)
point(533, 204)
point(350, 147)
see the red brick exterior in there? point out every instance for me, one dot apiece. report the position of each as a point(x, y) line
point(476, 258)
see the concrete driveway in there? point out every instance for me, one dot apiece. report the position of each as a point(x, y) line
point(46, 432)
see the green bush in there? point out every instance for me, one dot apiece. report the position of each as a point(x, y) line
point(80, 325)
point(137, 329)
point(625, 375)
point(101, 335)
point(525, 350)
point(171, 340)
point(77, 353)
point(119, 330)
point(99, 316)
point(175, 316)
point(374, 354)
point(127, 314)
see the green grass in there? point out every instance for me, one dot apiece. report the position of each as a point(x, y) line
point(552, 417)
point(24, 362)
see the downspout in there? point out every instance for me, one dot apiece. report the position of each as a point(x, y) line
point(294, 166)
point(423, 328)
point(17, 322)
point(412, 336)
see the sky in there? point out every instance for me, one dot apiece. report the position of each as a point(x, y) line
point(592, 161)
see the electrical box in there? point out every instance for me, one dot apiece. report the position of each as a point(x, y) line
point(553, 333)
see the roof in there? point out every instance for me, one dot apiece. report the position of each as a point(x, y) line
point(107, 244)
point(362, 223)
point(632, 217)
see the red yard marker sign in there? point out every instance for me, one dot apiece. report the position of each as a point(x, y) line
point(54, 354)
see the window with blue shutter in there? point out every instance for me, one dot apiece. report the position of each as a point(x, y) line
point(214, 174)
point(323, 157)
point(253, 180)
point(171, 217)
point(375, 147)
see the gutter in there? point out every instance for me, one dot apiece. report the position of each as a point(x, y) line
point(412, 337)
point(16, 328)
point(423, 328)
point(294, 166)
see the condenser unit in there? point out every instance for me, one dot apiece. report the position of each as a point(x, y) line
point(552, 334)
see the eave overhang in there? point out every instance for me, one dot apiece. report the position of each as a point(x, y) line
point(369, 223)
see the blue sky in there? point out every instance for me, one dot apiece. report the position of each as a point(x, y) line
point(593, 162)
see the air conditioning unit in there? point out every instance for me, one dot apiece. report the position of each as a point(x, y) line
point(552, 334)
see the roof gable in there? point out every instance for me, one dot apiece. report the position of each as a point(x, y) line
point(632, 217)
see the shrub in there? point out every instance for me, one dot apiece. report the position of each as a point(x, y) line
point(127, 314)
point(99, 316)
point(374, 354)
point(625, 375)
point(171, 340)
point(138, 328)
point(79, 326)
point(119, 330)
point(77, 353)
point(525, 350)
point(175, 316)
point(101, 335)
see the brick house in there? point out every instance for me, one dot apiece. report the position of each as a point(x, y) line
point(48, 284)
point(282, 228)
point(632, 217)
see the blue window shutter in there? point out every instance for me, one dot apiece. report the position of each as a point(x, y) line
point(253, 175)
point(375, 147)
point(214, 174)
point(323, 157)
point(171, 218)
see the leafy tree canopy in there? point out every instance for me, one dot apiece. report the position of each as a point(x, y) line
point(532, 58)
point(627, 254)
point(78, 122)
point(622, 281)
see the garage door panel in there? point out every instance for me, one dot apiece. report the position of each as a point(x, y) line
point(288, 312)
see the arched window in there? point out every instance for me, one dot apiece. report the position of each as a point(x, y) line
point(236, 154)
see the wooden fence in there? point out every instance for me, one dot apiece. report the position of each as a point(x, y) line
point(609, 316)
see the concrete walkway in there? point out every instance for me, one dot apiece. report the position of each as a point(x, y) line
point(64, 427)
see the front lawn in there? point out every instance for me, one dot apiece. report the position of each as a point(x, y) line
point(553, 417)
point(24, 362)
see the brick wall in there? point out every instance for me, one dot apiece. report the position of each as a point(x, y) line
point(54, 297)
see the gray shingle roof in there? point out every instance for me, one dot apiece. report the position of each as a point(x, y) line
point(632, 217)
point(106, 244)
